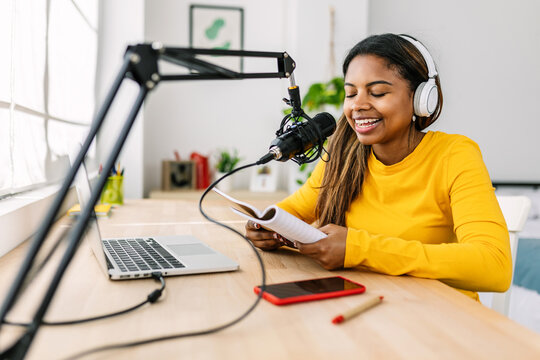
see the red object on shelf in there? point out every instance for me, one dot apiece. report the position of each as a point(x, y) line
point(202, 170)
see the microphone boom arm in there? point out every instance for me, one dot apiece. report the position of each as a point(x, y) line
point(140, 65)
point(205, 70)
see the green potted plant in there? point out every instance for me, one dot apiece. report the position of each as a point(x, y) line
point(226, 161)
point(320, 95)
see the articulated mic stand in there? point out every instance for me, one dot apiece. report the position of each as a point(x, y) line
point(141, 65)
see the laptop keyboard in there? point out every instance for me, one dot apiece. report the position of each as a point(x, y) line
point(140, 254)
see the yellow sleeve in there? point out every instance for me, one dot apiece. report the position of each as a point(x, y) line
point(480, 258)
point(303, 201)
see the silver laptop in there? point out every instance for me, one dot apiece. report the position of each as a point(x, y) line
point(139, 257)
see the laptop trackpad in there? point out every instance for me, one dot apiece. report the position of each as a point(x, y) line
point(190, 249)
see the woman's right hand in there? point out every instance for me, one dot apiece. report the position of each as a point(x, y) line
point(262, 238)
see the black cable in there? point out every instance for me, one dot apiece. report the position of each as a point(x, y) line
point(205, 331)
point(151, 298)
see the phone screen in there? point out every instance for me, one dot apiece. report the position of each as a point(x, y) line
point(312, 289)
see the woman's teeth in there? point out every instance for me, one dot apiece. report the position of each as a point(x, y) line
point(366, 122)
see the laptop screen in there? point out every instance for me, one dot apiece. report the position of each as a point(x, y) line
point(93, 235)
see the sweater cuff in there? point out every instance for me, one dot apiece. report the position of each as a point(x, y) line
point(354, 249)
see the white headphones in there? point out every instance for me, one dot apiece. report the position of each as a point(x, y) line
point(426, 96)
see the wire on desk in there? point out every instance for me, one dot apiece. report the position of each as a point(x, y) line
point(151, 298)
point(205, 331)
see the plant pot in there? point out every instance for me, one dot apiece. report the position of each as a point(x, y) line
point(298, 177)
point(224, 185)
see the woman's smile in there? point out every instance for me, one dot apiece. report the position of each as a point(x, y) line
point(364, 125)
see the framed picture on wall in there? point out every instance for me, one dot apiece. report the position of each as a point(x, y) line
point(218, 27)
point(264, 179)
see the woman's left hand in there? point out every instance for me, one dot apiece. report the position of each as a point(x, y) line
point(330, 251)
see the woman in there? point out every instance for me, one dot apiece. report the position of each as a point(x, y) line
point(395, 199)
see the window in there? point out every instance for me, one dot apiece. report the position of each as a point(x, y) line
point(47, 95)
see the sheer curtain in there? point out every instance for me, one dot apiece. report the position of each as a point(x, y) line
point(47, 73)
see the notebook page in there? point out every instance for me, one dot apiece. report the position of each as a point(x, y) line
point(240, 206)
point(288, 226)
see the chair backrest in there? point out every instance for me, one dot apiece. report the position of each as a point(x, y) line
point(515, 210)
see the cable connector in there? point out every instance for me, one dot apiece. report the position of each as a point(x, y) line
point(266, 158)
point(154, 296)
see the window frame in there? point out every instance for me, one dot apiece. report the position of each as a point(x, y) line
point(22, 208)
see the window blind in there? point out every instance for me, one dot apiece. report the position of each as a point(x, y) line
point(47, 87)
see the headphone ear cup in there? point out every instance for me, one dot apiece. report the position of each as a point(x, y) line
point(426, 98)
point(418, 99)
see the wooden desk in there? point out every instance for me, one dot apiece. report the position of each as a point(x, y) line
point(419, 318)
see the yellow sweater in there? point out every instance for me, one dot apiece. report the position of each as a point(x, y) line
point(432, 215)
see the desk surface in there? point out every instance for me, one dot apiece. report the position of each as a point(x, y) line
point(418, 319)
point(196, 194)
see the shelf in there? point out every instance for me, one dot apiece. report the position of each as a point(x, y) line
point(238, 194)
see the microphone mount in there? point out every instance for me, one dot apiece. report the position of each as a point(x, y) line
point(297, 124)
point(140, 65)
point(295, 118)
point(295, 101)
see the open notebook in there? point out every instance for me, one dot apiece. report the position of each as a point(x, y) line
point(139, 257)
point(276, 219)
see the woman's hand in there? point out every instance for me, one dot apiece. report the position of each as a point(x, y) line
point(262, 238)
point(330, 251)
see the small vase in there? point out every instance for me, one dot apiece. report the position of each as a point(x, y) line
point(298, 177)
point(224, 185)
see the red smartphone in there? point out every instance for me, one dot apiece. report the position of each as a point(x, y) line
point(308, 290)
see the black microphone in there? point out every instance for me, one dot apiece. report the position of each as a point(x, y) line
point(300, 137)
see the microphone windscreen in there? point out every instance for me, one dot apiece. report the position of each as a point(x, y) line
point(326, 123)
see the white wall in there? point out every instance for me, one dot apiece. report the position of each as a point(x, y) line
point(121, 24)
point(487, 52)
point(204, 116)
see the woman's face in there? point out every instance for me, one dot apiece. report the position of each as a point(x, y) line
point(378, 103)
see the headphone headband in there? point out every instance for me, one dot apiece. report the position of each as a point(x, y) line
point(432, 70)
point(426, 95)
